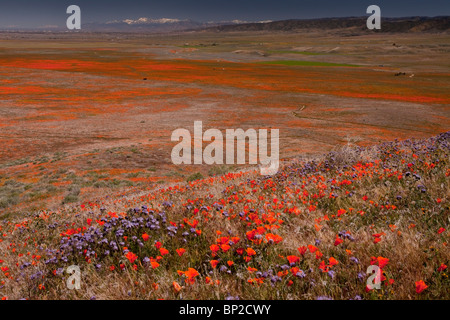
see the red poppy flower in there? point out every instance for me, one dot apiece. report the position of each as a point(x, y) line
point(181, 251)
point(293, 259)
point(302, 250)
point(420, 286)
point(442, 267)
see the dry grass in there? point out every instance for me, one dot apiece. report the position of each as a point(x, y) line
point(361, 191)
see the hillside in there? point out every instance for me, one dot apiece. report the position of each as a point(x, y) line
point(356, 24)
point(310, 232)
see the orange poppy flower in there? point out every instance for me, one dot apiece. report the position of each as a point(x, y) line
point(333, 261)
point(318, 254)
point(235, 239)
point(131, 257)
point(274, 237)
point(251, 270)
point(191, 274)
point(382, 262)
point(214, 263)
point(176, 287)
point(214, 248)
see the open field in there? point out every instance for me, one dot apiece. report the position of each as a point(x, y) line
point(85, 144)
point(76, 114)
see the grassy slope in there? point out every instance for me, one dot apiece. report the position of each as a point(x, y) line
point(331, 218)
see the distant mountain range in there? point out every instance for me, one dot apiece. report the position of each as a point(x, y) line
point(152, 25)
point(149, 25)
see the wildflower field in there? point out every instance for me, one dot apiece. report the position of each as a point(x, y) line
point(309, 232)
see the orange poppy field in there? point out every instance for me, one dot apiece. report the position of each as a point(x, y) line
point(86, 176)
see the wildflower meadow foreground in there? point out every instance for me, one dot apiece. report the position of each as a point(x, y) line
point(312, 231)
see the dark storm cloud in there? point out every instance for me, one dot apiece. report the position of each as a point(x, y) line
point(34, 13)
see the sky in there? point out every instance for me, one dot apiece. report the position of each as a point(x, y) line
point(40, 13)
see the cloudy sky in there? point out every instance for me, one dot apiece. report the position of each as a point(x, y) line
point(38, 13)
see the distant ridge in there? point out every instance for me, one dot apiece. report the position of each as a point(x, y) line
point(406, 24)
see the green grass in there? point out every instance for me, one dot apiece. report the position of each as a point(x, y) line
point(308, 63)
point(195, 176)
point(306, 53)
